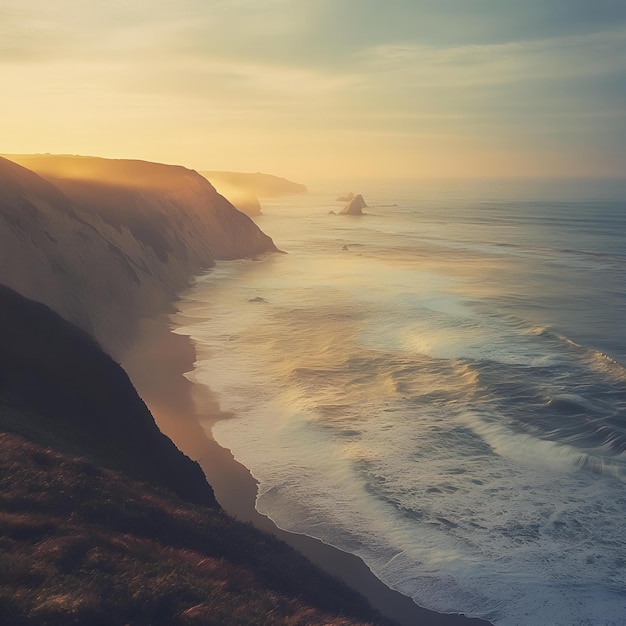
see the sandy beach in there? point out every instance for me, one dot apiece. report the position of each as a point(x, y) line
point(185, 412)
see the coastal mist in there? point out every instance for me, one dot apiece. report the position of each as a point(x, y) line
point(439, 387)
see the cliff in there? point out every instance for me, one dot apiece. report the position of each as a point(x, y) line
point(58, 388)
point(107, 242)
point(259, 184)
point(244, 190)
point(84, 545)
point(102, 519)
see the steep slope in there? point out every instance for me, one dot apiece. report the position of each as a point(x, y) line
point(244, 190)
point(83, 544)
point(241, 197)
point(58, 387)
point(56, 253)
point(106, 242)
point(168, 207)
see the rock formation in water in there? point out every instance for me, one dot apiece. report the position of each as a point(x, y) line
point(106, 242)
point(354, 207)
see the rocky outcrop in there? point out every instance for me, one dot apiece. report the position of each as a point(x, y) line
point(354, 207)
point(106, 242)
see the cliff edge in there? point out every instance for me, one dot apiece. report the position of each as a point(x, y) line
point(102, 519)
point(59, 389)
point(106, 242)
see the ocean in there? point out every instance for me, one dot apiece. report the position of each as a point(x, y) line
point(437, 386)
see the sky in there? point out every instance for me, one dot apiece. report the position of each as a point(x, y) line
point(321, 88)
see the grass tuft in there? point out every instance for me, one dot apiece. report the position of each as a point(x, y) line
point(84, 545)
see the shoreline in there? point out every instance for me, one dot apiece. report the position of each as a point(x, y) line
point(156, 364)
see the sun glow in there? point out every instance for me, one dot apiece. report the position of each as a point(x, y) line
point(323, 91)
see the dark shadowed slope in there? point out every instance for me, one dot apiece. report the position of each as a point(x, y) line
point(84, 545)
point(81, 544)
point(106, 242)
point(59, 388)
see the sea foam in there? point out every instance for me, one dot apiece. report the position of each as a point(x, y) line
point(392, 405)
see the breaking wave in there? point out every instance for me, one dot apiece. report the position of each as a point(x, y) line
point(396, 397)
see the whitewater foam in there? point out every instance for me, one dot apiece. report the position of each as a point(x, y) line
point(468, 454)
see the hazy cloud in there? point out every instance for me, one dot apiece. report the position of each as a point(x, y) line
point(415, 72)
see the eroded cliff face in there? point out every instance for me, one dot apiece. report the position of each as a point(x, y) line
point(106, 242)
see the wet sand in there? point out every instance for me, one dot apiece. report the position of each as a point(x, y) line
point(185, 412)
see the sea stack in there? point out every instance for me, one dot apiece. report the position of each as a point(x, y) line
point(355, 206)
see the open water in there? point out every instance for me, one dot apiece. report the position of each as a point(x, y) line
point(438, 386)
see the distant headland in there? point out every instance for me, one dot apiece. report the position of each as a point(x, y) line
point(245, 190)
